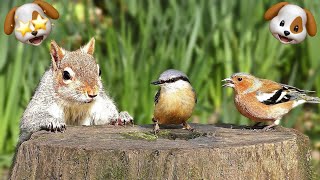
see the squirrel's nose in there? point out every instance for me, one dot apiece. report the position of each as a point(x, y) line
point(91, 92)
point(92, 95)
point(34, 33)
point(286, 33)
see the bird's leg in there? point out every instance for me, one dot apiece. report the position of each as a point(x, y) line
point(187, 126)
point(267, 128)
point(275, 123)
point(156, 127)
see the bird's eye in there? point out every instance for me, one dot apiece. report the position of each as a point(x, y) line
point(239, 79)
point(282, 23)
point(66, 75)
point(296, 28)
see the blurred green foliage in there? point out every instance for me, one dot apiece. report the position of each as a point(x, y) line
point(136, 40)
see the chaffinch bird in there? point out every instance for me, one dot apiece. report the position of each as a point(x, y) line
point(264, 100)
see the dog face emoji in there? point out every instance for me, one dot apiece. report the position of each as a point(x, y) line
point(30, 22)
point(290, 23)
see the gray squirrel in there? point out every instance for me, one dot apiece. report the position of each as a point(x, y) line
point(70, 93)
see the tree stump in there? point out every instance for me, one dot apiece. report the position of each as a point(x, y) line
point(210, 152)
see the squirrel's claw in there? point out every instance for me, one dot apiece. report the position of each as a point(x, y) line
point(124, 119)
point(56, 127)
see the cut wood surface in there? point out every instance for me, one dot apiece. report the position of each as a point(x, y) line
point(210, 152)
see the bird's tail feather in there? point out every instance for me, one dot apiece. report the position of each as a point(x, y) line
point(304, 97)
point(310, 99)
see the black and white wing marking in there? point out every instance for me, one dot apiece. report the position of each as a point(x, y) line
point(275, 97)
point(156, 97)
point(285, 94)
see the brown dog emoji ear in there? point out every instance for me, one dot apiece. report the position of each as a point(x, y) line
point(273, 10)
point(48, 9)
point(311, 24)
point(9, 22)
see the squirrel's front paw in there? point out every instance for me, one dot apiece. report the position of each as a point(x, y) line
point(124, 118)
point(56, 126)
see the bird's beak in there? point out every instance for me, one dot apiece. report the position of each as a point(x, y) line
point(156, 82)
point(228, 82)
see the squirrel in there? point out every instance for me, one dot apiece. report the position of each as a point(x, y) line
point(70, 93)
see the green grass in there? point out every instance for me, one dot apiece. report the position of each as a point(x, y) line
point(137, 40)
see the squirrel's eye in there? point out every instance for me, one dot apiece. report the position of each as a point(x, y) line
point(282, 23)
point(66, 75)
point(296, 28)
point(239, 79)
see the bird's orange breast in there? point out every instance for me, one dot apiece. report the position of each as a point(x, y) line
point(249, 106)
point(175, 107)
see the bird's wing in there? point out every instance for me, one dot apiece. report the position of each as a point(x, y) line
point(269, 86)
point(270, 92)
point(291, 88)
point(279, 95)
point(275, 97)
point(195, 96)
point(156, 97)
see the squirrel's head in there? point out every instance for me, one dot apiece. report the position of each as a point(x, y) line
point(76, 74)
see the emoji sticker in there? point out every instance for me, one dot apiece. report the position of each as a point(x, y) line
point(290, 23)
point(30, 22)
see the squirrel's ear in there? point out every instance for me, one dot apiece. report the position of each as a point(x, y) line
point(89, 48)
point(57, 53)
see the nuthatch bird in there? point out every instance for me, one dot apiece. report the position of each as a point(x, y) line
point(174, 101)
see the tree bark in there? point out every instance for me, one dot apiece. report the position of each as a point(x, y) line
point(210, 152)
